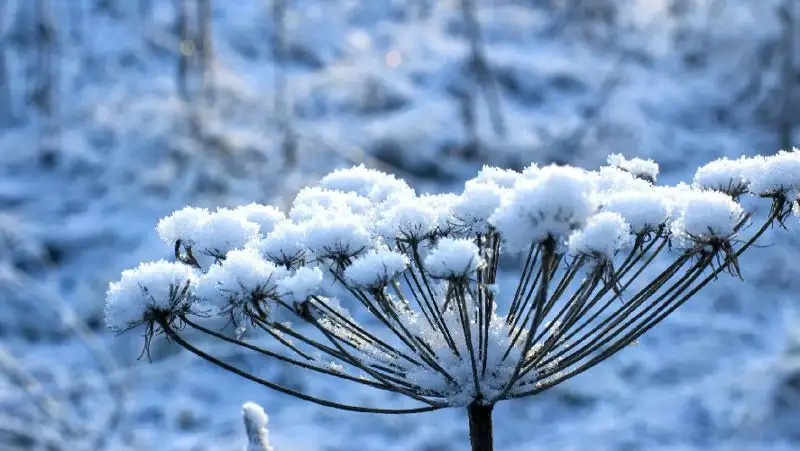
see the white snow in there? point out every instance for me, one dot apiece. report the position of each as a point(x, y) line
point(334, 236)
point(442, 206)
point(222, 232)
point(314, 201)
point(503, 178)
point(303, 283)
point(551, 206)
point(182, 225)
point(728, 176)
point(152, 287)
point(604, 235)
point(283, 246)
point(609, 179)
point(706, 215)
point(644, 210)
point(407, 219)
point(266, 216)
point(255, 423)
point(779, 173)
point(645, 169)
point(476, 205)
point(374, 185)
point(453, 258)
point(243, 277)
point(376, 268)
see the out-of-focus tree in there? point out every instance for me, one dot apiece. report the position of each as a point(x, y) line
point(282, 105)
point(44, 91)
point(789, 73)
point(6, 108)
point(186, 50)
point(205, 49)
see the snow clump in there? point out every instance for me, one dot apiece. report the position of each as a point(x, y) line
point(454, 258)
point(152, 290)
point(376, 268)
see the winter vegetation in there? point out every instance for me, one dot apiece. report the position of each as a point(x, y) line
point(115, 113)
point(442, 332)
point(255, 423)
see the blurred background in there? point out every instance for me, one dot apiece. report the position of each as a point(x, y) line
point(113, 113)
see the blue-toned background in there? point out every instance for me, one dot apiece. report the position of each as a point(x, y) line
point(113, 113)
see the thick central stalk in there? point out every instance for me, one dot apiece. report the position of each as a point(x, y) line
point(480, 426)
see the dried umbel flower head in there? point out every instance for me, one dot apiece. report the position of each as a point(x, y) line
point(399, 292)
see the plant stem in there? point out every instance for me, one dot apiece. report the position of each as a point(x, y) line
point(480, 426)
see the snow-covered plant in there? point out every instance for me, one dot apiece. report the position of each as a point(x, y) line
point(400, 292)
point(255, 425)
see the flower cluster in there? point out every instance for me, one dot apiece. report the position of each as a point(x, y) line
point(398, 291)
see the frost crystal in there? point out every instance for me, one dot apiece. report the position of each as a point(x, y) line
point(461, 391)
point(376, 268)
point(337, 236)
point(610, 179)
point(778, 174)
point(644, 169)
point(244, 277)
point(182, 225)
point(151, 290)
point(474, 207)
point(644, 211)
point(502, 178)
point(453, 259)
point(284, 246)
point(604, 235)
point(707, 215)
point(221, 233)
point(302, 284)
point(266, 216)
point(374, 185)
point(551, 206)
point(442, 206)
point(314, 201)
point(728, 176)
point(408, 219)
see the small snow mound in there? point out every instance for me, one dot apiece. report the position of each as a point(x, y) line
point(303, 283)
point(474, 207)
point(314, 201)
point(376, 268)
point(644, 169)
point(604, 235)
point(370, 183)
point(644, 211)
point(159, 287)
point(266, 216)
point(728, 176)
point(221, 233)
point(707, 215)
point(243, 277)
point(182, 225)
point(409, 219)
point(284, 246)
point(503, 178)
point(778, 174)
point(453, 258)
point(337, 236)
point(551, 206)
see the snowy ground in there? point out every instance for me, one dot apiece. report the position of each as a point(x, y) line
point(377, 82)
